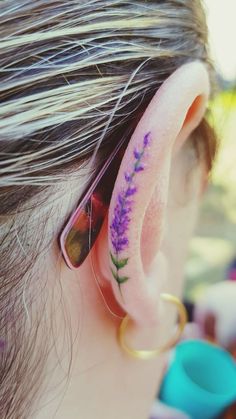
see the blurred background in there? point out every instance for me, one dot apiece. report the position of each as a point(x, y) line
point(214, 246)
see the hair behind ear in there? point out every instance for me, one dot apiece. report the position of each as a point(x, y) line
point(206, 142)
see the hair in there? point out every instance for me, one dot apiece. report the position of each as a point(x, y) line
point(75, 77)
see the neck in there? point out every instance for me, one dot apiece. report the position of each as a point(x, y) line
point(88, 374)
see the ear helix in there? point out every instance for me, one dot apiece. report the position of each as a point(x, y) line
point(122, 213)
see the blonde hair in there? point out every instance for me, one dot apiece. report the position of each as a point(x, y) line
point(75, 77)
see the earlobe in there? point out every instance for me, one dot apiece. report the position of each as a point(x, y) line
point(137, 209)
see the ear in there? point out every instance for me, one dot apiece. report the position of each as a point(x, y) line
point(129, 254)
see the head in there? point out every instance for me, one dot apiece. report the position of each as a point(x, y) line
point(77, 78)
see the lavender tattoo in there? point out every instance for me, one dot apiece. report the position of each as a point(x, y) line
point(120, 223)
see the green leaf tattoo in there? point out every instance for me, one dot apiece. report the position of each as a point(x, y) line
point(119, 263)
point(119, 279)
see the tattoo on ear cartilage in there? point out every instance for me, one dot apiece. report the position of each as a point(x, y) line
point(123, 208)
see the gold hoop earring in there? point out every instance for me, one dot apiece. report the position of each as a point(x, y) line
point(148, 354)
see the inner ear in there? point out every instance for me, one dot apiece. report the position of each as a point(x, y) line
point(148, 236)
point(192, 119)
point(194, 108)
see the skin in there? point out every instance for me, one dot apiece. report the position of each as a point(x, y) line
point(105, 382)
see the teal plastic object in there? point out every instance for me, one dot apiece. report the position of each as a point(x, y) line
point(200, 380)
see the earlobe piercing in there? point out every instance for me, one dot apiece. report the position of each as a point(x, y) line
point(148, 354)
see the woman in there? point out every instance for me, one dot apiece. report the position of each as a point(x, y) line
point(77, 80)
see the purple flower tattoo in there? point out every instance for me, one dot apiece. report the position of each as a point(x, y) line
point(121, 219)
